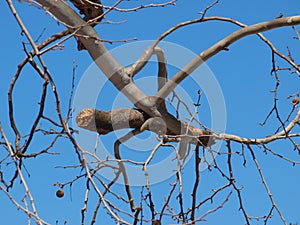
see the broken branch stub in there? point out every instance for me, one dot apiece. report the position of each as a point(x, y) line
point(106, 122)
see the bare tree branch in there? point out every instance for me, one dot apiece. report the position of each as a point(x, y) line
point(254, 141)
point(220, 46)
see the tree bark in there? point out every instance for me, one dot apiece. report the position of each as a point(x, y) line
point(106, 122)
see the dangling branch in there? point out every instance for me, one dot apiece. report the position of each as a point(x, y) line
point(122, 167)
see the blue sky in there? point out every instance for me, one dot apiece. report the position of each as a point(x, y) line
point(243, 74)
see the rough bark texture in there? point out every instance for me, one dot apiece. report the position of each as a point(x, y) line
point(106, 122)
point(90, 12)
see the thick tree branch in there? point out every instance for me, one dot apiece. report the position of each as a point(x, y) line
point(162, 68)
point(105, 122)
point(221, 45)
point(104, 60)
point(230, 20)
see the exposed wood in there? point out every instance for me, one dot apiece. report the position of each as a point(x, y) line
point(106, 122)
